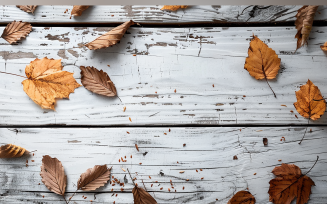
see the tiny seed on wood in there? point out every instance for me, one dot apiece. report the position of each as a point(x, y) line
point(280, 160)
point(202, 178)
point(200, 169)
point(137, 147)
point(130, 119)
point(175, 91)
point(255, 174)
point(161, 188)
point(235, 157)
point(124, 108)
point(181, 172)
point(127, 132)
point(184, 145)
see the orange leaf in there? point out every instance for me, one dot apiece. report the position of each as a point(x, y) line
point(310, 103)
point(46, 82)
point(173, 7)
point(324, 47)
point(288, 184)
point(10, 151)
point(242, 197)
point(262, 62)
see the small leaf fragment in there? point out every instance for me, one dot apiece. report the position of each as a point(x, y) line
point(12, 151)
point(78, 10)
point(27, 8)
point(142, 197)
point(173, 7)
point(324, 47)
point(15, 31)
point(242, 197)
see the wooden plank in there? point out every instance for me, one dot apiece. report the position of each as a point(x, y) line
point(153, 14)
point(209, 149)
point(150, 63)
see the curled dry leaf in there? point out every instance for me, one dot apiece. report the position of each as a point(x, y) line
point(324, 47)
point(46, 82)
point(94, 178)
point(27, 8)
point(242, 197)
point(142, 197)
point(53, 175)
point(173, 7)
point(78, 10)
point(97, 81)
point(262, 62)
point(15, 31)
point(110, 38)
point(11, 151)
point(288, 184)
point(310, 103)
point(303, 24)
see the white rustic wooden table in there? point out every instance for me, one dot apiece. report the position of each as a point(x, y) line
point(188, 51)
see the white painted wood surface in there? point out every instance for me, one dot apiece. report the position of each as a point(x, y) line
point(189, 60)
point(209, 149)
point(153, 14)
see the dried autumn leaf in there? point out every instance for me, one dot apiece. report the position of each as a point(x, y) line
point(15, 31)
point(242, 197)
point(27, 8)
point(78, 10)
point(310, 103)
point(303, 24)
point(94, 178)
point(288, 184)
point(46, 82)
point(173, 7)
point(324, 47)
point(262, 62)
point(110, 38)
point(97, 81)
point(142, 197)
point(53, 175)
point(11, 151)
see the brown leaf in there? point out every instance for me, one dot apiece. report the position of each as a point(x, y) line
point(142, 197)
point(46, 82)
point(27, 8)
point(11, 151)
point(262, 62)
point(94, 178)
point(110, 38)
point(15, 31)
point(303, 24)
point(173, 7)
point(288, 184)
point(242, 197)
point(97, 81)
point(324, 47)
point(53, 175)
point(78, 10)
point(310, 103)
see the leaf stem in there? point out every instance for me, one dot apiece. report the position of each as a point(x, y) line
point(72, 196)
point(264, 73)
point(131, 176)
point(13, 74)
point(305, 131)
point(64, 198)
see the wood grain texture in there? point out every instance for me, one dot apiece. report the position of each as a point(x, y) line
point(209, 149)
point(153, 14)
point(150, 63)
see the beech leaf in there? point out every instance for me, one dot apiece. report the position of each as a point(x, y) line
point(46, 81)
point(242, 197)
point(27, 8)
point(324, 47)
point(288, 184)
point(11, 151)
point(310, 103)
point(142, 197)
point(78, 10)
point(173, 7)
point(97, 81)
point(94, 178)
point(303, 24)
point(15, 31)
point(262, 62)
point(53, 175)
point(110, 38)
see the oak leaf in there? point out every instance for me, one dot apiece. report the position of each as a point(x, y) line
point(11, 151)
point(53, 175)
point(27, 8)
point(303, 24)
point(324, 47)
point(46, 81)
point(310, 103)
point(173, 7)
point(288, 184)
point(97, 81)
point(242, 197)
point(110, 38)
point(78, 10)
point(262, 62)
point(15, 31)
point(94, 178)
point(142, 197)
